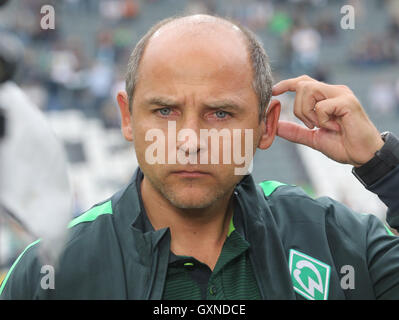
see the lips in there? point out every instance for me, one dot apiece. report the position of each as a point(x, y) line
point(190, 173)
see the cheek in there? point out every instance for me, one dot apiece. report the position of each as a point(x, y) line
point(139, 132)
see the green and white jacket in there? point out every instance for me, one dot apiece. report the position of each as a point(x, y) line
point(300, 248)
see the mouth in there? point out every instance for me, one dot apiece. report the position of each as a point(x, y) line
point(190, 173)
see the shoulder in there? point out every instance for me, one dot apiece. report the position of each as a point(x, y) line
point(291, 204)
point(85, 236)
point(101, 213)
point(315, 223)
point(17, 284)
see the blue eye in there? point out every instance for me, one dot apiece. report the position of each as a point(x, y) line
point(221, 114)
point(165, 111)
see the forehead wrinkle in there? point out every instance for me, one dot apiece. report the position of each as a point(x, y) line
point(223, 103)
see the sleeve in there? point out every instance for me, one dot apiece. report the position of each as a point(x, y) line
point(383, 260)
point(23, 277)
point(382, 245)
point(365, 236)
point(380, 175)
point(387, 189)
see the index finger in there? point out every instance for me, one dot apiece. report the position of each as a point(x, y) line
point(288, 85)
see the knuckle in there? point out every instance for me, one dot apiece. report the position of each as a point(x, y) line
point(305, 77)
point(302, 84)
point(349, 99)
point(354, 102)
point(297, 113)
point(344, 89)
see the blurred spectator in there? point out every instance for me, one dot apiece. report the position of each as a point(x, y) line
point(87, 6)
point(321, 73)
point(130, 9)
point(394, 27)
point(397, 95)
point(374, 50)
point(305, 42)
point(258, 14)
point(360, 8)
point(327, 26)
point(254, 14)
point(392, 7)
point(105, 47)
point(110, 115)
point(36, 93)
point(196, 7)
point(382, 97)
point(116, 10)
point(63, 65)
point(280, 23)
point(100, 80)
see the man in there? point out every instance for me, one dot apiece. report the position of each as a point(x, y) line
point(200, 231)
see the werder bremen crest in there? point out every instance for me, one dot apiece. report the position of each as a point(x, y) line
point(310, 277)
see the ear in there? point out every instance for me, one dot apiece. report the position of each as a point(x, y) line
point(126, 116)
point(269, 125)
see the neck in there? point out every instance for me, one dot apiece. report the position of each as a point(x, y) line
point(199, 233)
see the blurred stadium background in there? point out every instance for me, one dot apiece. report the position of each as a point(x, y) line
point(72, 73)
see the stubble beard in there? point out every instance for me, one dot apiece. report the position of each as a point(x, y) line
point(180, 201)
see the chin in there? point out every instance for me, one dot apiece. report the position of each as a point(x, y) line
point(192, 198)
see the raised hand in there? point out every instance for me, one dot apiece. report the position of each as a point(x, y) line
point(337, 124)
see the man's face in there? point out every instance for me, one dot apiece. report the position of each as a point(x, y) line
point(197, 81)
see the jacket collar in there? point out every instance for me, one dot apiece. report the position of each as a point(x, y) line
point(267, 254)
point(127, 204)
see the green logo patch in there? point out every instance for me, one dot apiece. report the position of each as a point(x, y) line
point(310, 277)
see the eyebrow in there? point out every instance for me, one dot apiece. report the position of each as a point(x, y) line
point(162, 101)
point(226, 104)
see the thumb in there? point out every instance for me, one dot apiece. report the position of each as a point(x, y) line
point(296, 133)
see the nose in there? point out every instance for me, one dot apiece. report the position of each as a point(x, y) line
point(188, 136)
